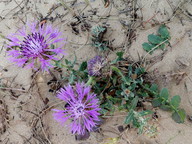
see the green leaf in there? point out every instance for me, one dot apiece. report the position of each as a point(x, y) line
point(154, 88)
point(136, 123)
point(165, 107)
point(118, 71)
point(103, 111)
point(72, 78)
point(162, 46)
point(179, 116)
point(119, 57)
point(67, 62)
point(114, 100)
point(58, 64)
point(134, 102)
point(52, 46)
point(143, 94)
point(120, 54)
point(146, 112)
point(156, 102)
point(163, 31)
point(164, 93)
point(129, 117)
point(83, 66)
point(139, 71)
point(175, 101)
point(147, 47)
point(114, 80)
point(154, 39)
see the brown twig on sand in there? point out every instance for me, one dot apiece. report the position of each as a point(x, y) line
point(44, 132)
point(13, 89)
point(147, 21)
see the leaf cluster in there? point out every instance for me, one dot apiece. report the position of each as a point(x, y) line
point(163, 101)
point(123, 90)
point(97, 38)
point(118, 91)
point(138, 119)
point(157, 41)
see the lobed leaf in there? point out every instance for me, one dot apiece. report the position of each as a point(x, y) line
point(129, 117)
point(119, 57)
point(147, 47)
point(154, 88)
point(179, 116)
point(156, 102)
point(154, 39)
point(163, 31)
point(164, 93)
point(166, 107)
point(134, 102)
point(83, 66)
point(175, 101)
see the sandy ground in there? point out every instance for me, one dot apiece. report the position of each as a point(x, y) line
point(25, 115)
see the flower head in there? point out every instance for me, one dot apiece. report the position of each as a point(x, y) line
point(95, 65)
point(33, 45)
point(82, 108)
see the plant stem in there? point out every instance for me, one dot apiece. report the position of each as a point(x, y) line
point(118, 71)
point(90, 80)
point(152, 92)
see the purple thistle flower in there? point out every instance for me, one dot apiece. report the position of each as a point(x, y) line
point(34, 44)
point(82, 108)
point(94, 66)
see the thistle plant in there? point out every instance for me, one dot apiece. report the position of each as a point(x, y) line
point(33, 46)
point(95, 65)
point(82, 108)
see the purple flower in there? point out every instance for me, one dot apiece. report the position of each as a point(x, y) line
point(33, 47)
point(82, 108)
point(95, 65)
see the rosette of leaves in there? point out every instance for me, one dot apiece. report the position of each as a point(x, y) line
point(132, 94)
point(97, 38)
point(157, 41)
point(163, 101)
point(122, 90)
point(118, 90)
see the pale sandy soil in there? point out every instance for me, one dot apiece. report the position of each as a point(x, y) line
point(25, 117)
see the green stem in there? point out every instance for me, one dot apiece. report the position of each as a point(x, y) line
point(90, 80)
point(152, 92)
point(118, 71)
point(169, 104)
